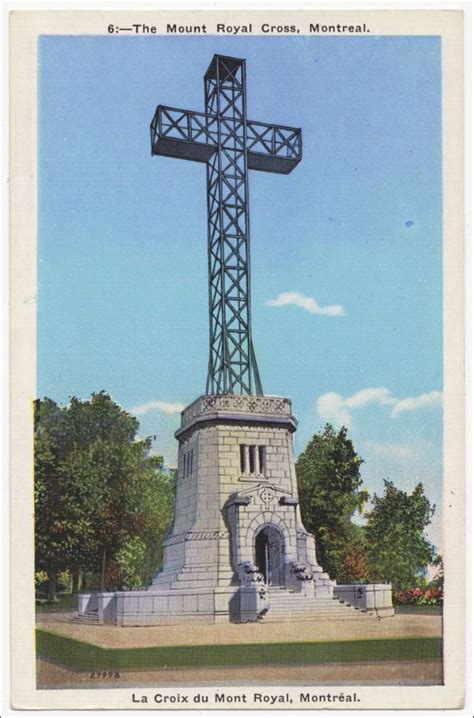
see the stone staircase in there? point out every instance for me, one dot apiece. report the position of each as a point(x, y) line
point(285, 605)
point(89, 617)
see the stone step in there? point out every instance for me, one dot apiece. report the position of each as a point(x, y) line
point(284, 606)
point(326, 611)
point(315, 606)
point(329, 615)
point(308, 602)
point(287, 601)
point(299, 609)
point(309, 607)
point(302, 597)
point(90, 618)
point(311, 616)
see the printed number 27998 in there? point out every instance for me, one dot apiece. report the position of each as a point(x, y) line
point(104, 674)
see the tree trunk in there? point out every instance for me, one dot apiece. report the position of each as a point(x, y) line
point(103, 570)
point(76, 578)
point(52, 583)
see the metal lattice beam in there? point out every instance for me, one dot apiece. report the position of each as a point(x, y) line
point(229, 145)
point(193, 136)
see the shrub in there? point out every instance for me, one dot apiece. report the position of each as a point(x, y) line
point(129, 562)
point(419, 597)
point(64, 580)
point(40, 579)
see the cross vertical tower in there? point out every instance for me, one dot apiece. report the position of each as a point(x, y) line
point(230, 145)
point(232, 360)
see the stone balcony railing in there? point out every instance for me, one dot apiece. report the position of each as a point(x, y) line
point(238, 405)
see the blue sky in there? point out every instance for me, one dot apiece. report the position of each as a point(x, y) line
point(122, 300)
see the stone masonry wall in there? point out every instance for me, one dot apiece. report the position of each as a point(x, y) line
point(224, 497)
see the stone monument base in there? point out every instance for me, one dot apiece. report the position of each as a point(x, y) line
point(238, 550)
point(147, 608)
point(232, 605)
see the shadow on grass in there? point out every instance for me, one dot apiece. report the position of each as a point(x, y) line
point(81, 656)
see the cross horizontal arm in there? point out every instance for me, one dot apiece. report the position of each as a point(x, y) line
point(273, 148)
point(195, 135)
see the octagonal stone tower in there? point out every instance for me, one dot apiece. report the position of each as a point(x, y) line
point(237, 520)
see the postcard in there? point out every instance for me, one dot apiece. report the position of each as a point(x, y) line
point(237, 301)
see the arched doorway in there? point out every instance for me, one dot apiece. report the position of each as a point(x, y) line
point(270, 555)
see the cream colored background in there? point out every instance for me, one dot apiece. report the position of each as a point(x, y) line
point(25, 26)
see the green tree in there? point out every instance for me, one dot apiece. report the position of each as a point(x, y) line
point(129, 560)
point(329, 485)
point(355, 566)
point(94, 482)
point(150, 500)
point(66, 493)
point(397, 548)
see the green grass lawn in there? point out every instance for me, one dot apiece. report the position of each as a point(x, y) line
point(81, 656)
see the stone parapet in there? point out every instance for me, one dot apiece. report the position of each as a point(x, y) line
point(266, 410)
point(147, 608)
point(375, 597)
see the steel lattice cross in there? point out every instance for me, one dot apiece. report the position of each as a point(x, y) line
point(230, 145)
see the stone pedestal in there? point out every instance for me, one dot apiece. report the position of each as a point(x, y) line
point(236, 482)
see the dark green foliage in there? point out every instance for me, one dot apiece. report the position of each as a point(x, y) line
point(397, 548)
point(392, 547)
point(63, 602)
point(96, 489)
point(329, 485)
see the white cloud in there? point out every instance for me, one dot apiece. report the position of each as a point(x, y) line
point(336, 409)
point(378, 395)
point(164, 406)
point(308, 303)
point(431, 398)
point(331, 408)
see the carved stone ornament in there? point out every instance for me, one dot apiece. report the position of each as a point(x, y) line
point(267, 496)
point(241, 403)
point(301, 571)
point(249, 574)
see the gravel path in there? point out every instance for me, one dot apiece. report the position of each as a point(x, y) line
point(399, 626)
point(385, 673)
